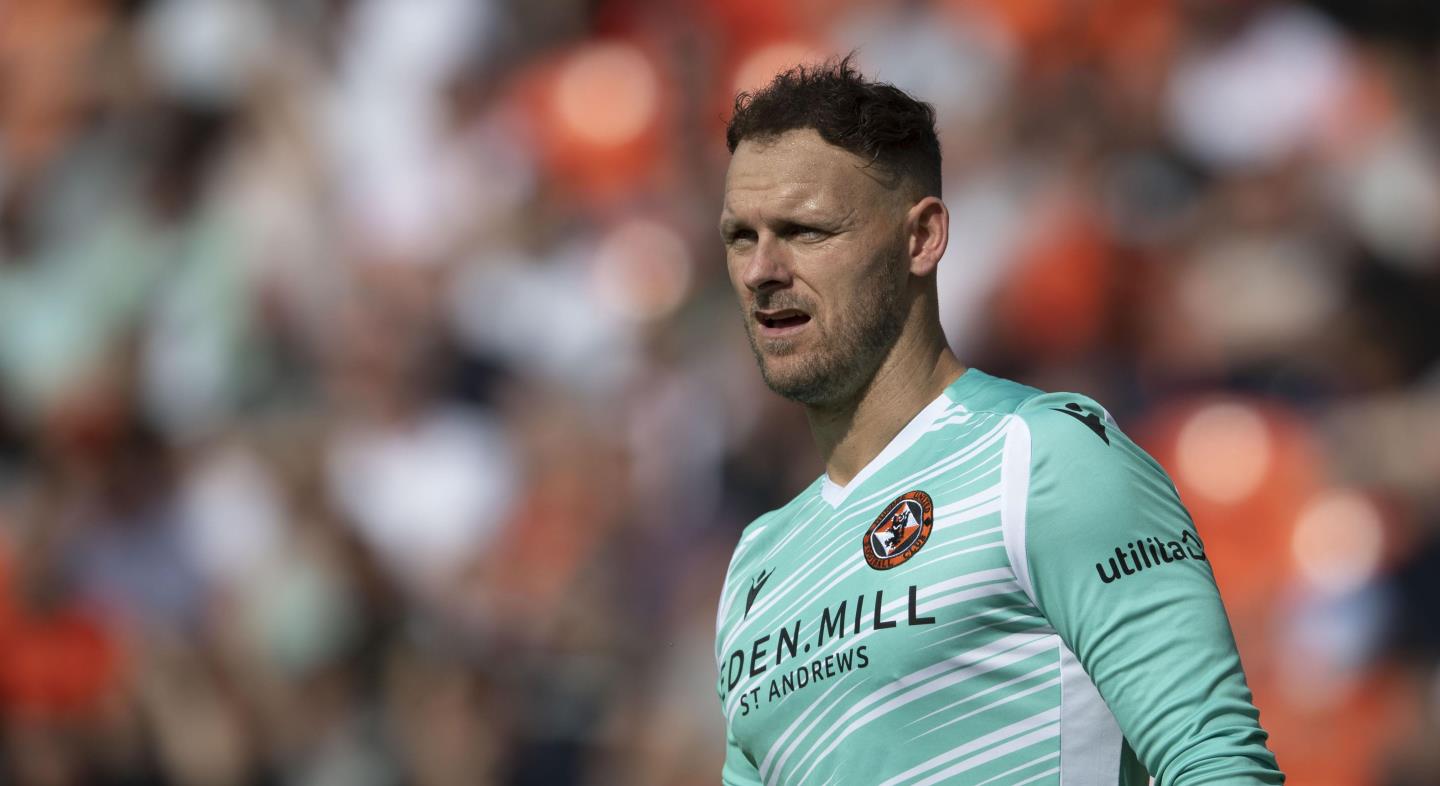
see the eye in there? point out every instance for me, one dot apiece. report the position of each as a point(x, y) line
point(805, 234)
point(739, 237)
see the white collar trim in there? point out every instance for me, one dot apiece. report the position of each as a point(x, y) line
point(835, 494)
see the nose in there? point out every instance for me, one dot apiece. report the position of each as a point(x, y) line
point(768, 266)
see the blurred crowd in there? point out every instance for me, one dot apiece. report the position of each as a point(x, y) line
point(374, 410)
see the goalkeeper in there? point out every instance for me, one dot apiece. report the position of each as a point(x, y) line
point(988, 584)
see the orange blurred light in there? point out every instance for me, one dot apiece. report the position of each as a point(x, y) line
point(596, 115)
point(757, 68)
point(1338, 540)
point(607, 94)
point(1224, 452)
point(1244, 468)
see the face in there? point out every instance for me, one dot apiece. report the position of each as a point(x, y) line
point(815, 248)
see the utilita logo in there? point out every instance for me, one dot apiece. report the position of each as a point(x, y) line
point(1149, 553)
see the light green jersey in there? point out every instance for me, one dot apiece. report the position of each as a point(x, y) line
point(1009, 593)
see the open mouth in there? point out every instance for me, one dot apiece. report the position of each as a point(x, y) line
point(782, 319)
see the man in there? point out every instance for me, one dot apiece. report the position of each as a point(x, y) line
point(988, 584)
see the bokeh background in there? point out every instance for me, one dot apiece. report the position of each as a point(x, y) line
point(374, 410)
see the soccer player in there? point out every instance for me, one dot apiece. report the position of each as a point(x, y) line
point(988, 584)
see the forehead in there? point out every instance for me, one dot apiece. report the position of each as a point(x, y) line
point(799, 171)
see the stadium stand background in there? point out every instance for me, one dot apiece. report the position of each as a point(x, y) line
point(374, 409)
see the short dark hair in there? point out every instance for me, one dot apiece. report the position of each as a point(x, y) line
point(874, 120)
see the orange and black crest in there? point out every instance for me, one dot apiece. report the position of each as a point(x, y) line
point(899, 531)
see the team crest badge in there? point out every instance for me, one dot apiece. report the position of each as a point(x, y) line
point(900, 531)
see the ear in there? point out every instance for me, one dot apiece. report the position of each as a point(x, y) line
point(927, 233)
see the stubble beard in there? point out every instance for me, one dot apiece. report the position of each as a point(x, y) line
point(840, 362)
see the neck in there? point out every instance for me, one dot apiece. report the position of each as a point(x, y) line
point(851, 434)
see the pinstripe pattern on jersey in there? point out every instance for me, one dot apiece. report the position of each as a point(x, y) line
point(961, 676)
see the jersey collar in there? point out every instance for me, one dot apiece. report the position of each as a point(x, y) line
point(835, 494)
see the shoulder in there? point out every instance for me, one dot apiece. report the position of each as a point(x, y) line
point(1049, 419)
point(1066, 421)
point(1069, 453)
point(1075, 464)
point(1076, 489)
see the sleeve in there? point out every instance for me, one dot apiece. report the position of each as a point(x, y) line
point(739, 770)
point(1112, 559)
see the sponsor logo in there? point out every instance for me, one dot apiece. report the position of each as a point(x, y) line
point(756, 584)
point(809, 651)
point(1090, 419)
point(1144, 553)
point(899, 531)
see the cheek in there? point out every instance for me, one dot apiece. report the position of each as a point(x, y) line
point(734, 271)
point(860, 300)
point(859, 282)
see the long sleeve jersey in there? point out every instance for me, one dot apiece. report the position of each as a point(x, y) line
point(1010, 593)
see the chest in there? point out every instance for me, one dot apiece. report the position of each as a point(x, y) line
point(905, 582)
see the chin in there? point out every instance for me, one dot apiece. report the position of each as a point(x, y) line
point(803, 383)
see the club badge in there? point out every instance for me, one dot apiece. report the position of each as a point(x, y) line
point(900, 531)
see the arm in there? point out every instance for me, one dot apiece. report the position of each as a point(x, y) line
point(738, 769)
point(1111, 558)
